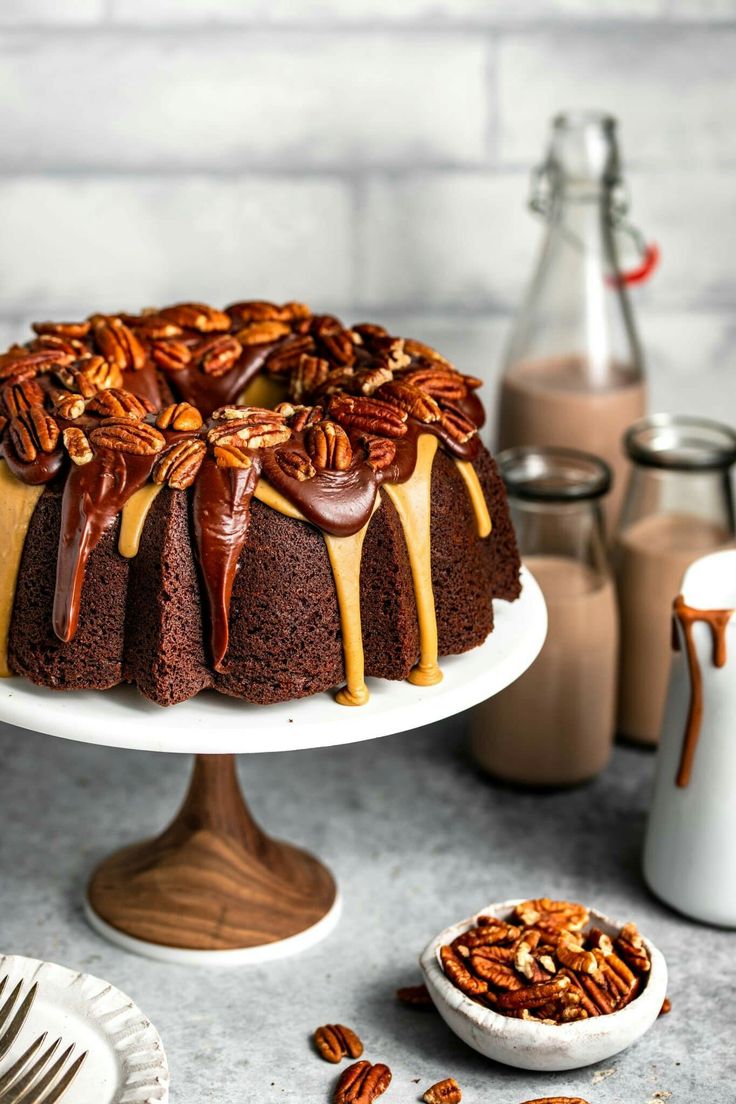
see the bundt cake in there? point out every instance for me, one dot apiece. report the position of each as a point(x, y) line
point(258, 500)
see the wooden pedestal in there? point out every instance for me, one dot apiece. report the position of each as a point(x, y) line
point(213, 881)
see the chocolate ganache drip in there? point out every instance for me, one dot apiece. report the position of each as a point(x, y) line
point(90, 403)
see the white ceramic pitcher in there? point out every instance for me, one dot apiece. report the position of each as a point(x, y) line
point(690, 848)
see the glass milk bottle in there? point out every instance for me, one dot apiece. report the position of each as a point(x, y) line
point(678, 507)
point(573, 374)
point(555, 725)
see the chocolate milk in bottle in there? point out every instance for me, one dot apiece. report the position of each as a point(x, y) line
point(678, 507)
point(573, 374)
point(554, 726)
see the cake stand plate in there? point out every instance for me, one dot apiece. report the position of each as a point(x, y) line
point(213, 888)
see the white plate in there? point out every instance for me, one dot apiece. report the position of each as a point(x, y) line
point(212, 723)
point(125, 1063)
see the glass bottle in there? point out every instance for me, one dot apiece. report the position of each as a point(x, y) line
point(555, 725)
point(573, 374)
point(678, 506)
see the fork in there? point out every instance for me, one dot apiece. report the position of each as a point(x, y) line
point(28, 1084)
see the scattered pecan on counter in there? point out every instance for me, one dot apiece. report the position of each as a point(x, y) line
point(444, 1092)
point(335, 1042)
point(545, 963)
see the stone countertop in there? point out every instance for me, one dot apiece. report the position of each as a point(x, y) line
point(417, 839)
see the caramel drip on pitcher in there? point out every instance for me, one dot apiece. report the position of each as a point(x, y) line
point(717, 621)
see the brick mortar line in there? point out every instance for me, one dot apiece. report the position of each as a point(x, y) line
point(531, 27)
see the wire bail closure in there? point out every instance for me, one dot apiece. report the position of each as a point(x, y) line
point(540, 203)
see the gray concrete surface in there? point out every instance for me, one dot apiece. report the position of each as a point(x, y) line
point(417, 839)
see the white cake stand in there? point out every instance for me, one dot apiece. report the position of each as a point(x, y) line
point(213, 888)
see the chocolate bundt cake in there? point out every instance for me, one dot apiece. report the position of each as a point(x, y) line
point(257, 500)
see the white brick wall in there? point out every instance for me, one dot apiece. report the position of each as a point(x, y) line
point(370, 155)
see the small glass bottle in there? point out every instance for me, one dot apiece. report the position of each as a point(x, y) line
point(678, 507)
point(555, 725)
point(573, 374)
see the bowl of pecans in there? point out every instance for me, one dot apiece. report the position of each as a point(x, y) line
point(545, 985)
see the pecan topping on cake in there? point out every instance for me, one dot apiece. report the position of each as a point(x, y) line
point(369, 415)
point(249, 427)
point(127, 435)
point(77, 445)
point(218, 355)
point(232, 456)
point(178, 466)
point(170, 354)
point(182, 417)
point(197, 316)
point(118, 344)
point(296, 464)
point(33, 431)
point(17, 397)
point(329, 446)
point(262, 333)
point(116, 402)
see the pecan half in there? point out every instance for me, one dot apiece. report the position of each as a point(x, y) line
point(259, 310)
point(572, 954)
point(411, 399)
point(443, 1092)
point(555, 914)
point(126, 435)
point(152, 326)
point(116, 402)
point(415, 996)
point(441, 383)
point(20, 364)
point(299, 417)
point(631, 948)
point(362, 1083)
point(218, 355)
point(557, 1100)
point(309, 374)
point(370, 415)
point(3, 423)
point(197, 316)
point(77, 445)
point(178, 466)
point(367, 380)
point(262, 333)
point(534, 996)
point(33, 431)
point(118, 344)
point(232, 456)
point(339, 346)
point(335, 1042)
point(170, 354)
point(65, 348)
point(380, 451)
point(63, 329)
point(296, 464)
point(68, 406)
point(91, 374)
point(182, 417)
point(250, 427)
point(17, 397)
point(459, 975)
point(457, 425)
point(329, 446)
point(499, 975)
point(419, 349)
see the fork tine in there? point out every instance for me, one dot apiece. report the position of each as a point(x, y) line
point(7, 1008)
point(18, 1020)
point(17, 1068)
point(25, 1085)
point(34, 1093)
point(3, 983)
point(59, 1089)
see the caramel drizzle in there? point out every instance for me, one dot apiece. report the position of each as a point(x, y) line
point(221, 511)
point(133, 520)
point(717, 621)
point(94, 495)
point(17, 503)
point(413, 502)
point(469, 475)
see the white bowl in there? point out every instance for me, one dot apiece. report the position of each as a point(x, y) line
point(538, 1046)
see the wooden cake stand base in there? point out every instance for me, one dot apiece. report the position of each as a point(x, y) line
point(213, 886)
